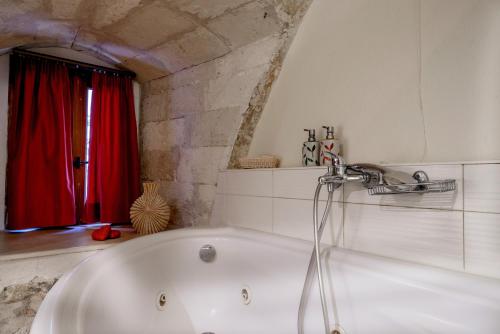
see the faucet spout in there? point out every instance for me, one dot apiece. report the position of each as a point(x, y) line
point(339, 173)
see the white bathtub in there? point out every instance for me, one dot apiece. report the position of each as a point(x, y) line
point(117, 290)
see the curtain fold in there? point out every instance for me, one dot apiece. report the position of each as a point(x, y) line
point(113, 171)
point(39, 167)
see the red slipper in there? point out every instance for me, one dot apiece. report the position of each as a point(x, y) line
point(115, 234)
point(102, 233)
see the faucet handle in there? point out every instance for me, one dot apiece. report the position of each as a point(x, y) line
point(337, 160)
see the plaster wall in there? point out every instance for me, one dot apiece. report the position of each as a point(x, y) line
point(401, 80)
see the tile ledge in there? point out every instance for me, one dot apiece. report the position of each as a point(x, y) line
point(386, 164)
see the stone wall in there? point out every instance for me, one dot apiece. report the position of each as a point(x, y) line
point(24, 282)
point(191, 119)
point(19, 304)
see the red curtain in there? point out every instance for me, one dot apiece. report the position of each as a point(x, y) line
point(113, 177)
point(39, 168)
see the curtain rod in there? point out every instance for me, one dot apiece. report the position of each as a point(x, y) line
point(74, 63)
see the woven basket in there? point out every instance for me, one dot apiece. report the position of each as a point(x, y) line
point(263, 161)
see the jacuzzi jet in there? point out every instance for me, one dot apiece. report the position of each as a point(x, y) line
point(161, 301)
point(245, 295)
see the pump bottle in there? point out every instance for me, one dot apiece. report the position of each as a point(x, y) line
point(328, 147)
point(310, 150)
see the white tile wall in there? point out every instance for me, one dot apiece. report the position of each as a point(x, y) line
point(242, 182)
point(482, 188)
point(482, 243)
point(293, 218)
point(354, 193)
point(248, 211)
point(300, 184)
point(431, 237)
point(459, 230)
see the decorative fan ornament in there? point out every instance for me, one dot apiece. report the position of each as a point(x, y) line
point(150, 212)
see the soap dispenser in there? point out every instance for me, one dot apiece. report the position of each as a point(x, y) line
point(328, 147)
point(310, 150)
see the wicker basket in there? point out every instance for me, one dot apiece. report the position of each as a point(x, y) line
point(262, 161)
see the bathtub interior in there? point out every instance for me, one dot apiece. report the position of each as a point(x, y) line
point(121, 296)
point(117, 291)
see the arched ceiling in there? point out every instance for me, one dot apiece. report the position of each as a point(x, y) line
point(153, 38)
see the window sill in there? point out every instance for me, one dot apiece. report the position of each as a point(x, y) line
point(38, 243)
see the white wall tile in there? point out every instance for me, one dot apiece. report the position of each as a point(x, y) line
point(482, 188)
point(433, 237)
point(250, 212)
point(355, 193)
point(482, 243)
point(300, 184)
point(293, 218)
point(248, 182)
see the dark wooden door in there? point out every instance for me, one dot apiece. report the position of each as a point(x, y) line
point(79, 99)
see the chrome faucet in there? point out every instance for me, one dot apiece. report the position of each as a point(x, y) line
point(339, 173)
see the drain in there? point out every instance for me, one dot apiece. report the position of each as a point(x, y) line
point(246, 297)
point(207, 253)
point(161, 301)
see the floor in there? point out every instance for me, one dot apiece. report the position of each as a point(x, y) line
point(56, 239)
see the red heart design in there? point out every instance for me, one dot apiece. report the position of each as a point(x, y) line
point(102, 234)
point(115, 234)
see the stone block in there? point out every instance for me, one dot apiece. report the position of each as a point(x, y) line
point(186, 99)
point(156, 86)
point(192, 48)
point(247, 24)
point(214, 128)
point(201, 164)
point(190, 204)
point(193, 75)
point(159, 164)
point(154, 107)
point(146, 67)
point(150, 25)
point(233, 89)
point(65, 9)
point(101, 44)
point(163, 135)
point(13, 9)
point(108, 12)
point(55, 33)
point(203, 12)
point(249, 56)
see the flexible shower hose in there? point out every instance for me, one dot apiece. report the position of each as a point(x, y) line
point(315, 263)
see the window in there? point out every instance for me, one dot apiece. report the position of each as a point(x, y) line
point(87, 142)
